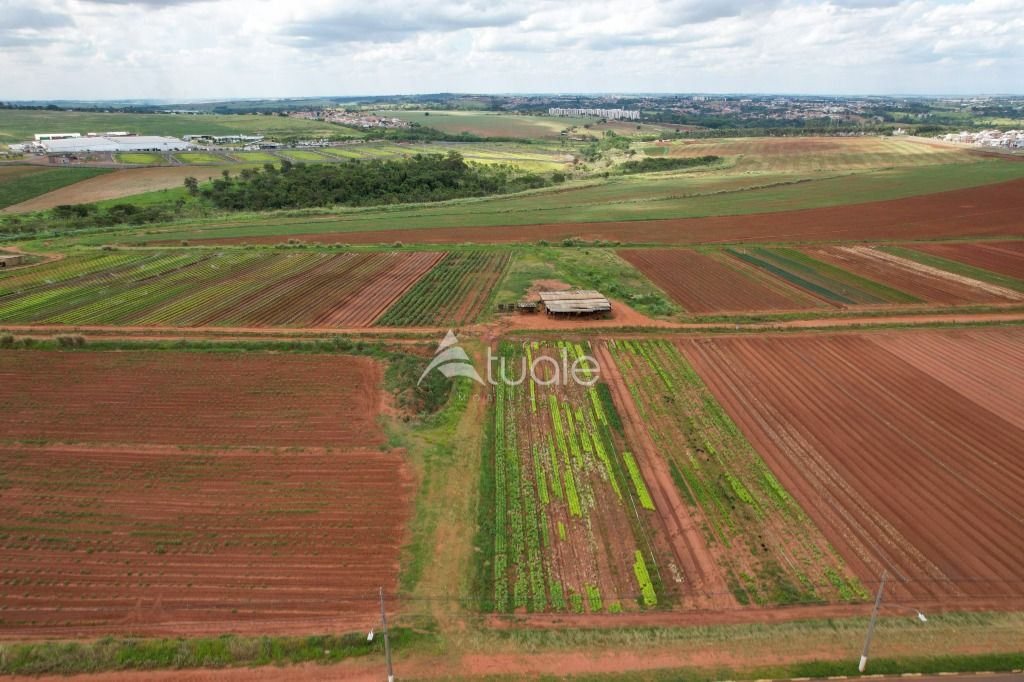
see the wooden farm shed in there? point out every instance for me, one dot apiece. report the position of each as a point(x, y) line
point(577, 302)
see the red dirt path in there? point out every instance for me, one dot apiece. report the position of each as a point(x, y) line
point(990, 210)
point(900, 470)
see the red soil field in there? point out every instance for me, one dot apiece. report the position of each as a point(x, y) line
point(121, 511)
point(990, 210)
point(906, 275)
point(1006, 258)
point(190, 398)
point(177, 542)
point(703, 283)
point(347, 290)
point(902, 465)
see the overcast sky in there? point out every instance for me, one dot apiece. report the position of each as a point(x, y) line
point(193, 49)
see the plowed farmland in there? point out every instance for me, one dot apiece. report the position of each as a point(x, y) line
point(704, 283)
point(1006, 258)
point(925, 282)
point(819, 153)
point(738, 532)
point(831, 284)
point(122, 512)
point(188, 288)
point(454, 292)
point(569, 518)
point(989, 210)
point(189, 399)
point(344, 290)
point(906, 463)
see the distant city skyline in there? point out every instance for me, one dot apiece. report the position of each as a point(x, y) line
point(192, 50)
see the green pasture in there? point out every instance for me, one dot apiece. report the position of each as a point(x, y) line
point(19, 125)
point(489, 124)
point(140, 157)
point(15, 188)
point(261, 157)
point(199, 157)
point(303, 155)
point(642, 197)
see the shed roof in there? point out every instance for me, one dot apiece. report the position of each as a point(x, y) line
point(114, 144)
point(575, 302)
point(574, 295)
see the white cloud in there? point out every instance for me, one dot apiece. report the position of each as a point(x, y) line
point(181, 49)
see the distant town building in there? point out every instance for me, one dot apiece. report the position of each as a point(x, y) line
point(610, 114)
point(222, 139)
point(1009, 139)
point(351, 119)
point(103, 143)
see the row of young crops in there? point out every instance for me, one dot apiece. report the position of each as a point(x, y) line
point(824, 280)
point(244, 288)
point(768, 549)
point(454, 292)
point(568, 515)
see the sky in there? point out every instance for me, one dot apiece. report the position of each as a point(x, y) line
point(184, 50)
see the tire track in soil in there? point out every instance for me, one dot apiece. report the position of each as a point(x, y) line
point(703, 581)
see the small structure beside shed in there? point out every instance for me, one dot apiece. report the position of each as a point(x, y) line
point(9, 260)
point(575, 303)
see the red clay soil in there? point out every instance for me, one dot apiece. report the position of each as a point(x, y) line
point(990, 210)
point(908, 276)
point(992, 378)
point(165, 541)
point(901, 471)
point(190, 398)
point(1006, 258)
point(149, 526)
point(704, 284)
point(345, 290)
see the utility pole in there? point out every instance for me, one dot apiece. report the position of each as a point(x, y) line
point(871, 624)
point(387, 642)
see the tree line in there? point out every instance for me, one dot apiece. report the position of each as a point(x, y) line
point(421, 178)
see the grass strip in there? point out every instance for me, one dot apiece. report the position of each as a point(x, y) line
point(122, 653)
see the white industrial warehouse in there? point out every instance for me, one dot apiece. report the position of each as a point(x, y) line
point(104, 143)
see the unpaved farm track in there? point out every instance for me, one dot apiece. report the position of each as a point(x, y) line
point(904, 467)
point(990, 210)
